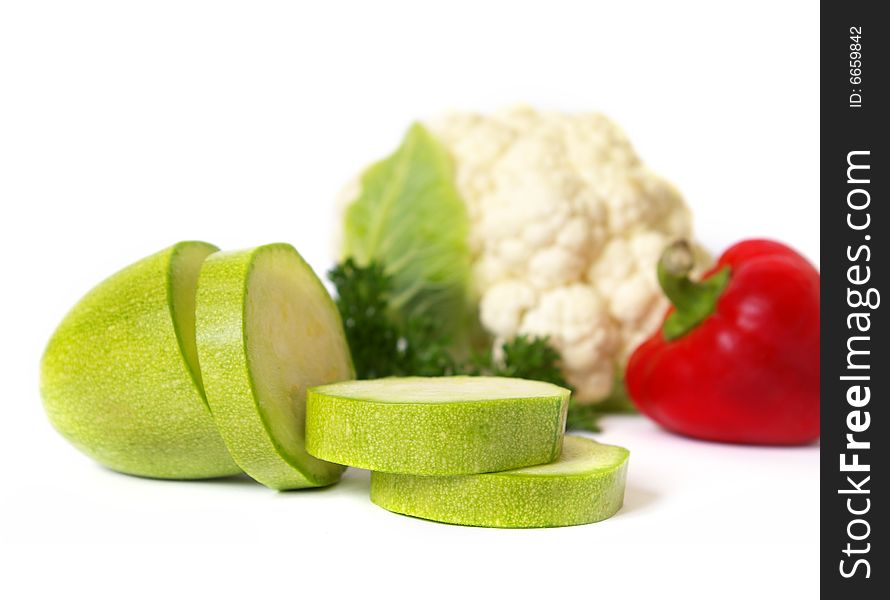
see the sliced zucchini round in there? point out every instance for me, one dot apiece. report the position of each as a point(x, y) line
point(266, 330)
point(437, 425)
point(586, 484)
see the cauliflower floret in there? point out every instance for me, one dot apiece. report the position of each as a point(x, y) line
point(567, 227)
point(503, 306)
point(577, 321)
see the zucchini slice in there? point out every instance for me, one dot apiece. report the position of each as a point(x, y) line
point(586, 484)
point(437, 425)
point(266, 330)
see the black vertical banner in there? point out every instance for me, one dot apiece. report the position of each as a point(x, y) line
point(854, 265)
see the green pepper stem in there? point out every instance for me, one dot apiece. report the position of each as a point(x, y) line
point(693, 301)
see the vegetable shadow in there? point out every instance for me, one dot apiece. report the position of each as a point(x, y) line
point(637, 499)
point(241, 479)
point(354, 481)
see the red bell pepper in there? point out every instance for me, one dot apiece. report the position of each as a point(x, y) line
point(737, 359)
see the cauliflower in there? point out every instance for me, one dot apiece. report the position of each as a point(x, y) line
point(566, 228)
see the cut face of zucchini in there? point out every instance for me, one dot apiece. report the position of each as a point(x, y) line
point(267, 330)
point(585, 485)
point(437, 425)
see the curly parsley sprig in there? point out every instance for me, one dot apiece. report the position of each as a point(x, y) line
point(384, 345)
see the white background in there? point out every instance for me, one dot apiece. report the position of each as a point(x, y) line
point(125, 127)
